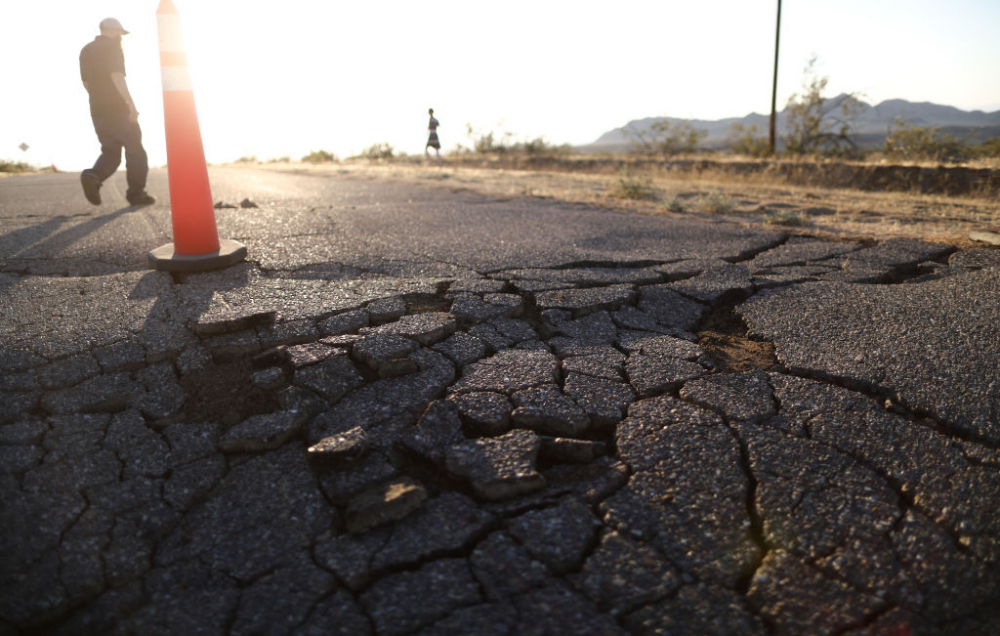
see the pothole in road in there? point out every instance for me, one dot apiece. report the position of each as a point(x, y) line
point(736, 354)
point(225, 393)
point(725, 338)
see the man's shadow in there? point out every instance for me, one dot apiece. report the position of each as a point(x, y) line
point(51, 244)
point(181, 300)
point(14, 242)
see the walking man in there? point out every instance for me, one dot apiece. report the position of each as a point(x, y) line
point(116, 121)
point(432, 137)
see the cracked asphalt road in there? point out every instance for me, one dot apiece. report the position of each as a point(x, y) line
point(424, 411)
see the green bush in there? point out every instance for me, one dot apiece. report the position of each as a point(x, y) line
point(675, 205)
point(486, 142)
point(785, 217)
point(320, 156)
point(14, 166)
point(924, 143)
point(989, 148)
point(539, 147)
point(634, 187)
point(715, 202)
point(817, 125)
point(377, 152)
point(666, 138)
point(748, 141)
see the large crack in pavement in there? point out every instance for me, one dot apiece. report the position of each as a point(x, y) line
point(597, 447)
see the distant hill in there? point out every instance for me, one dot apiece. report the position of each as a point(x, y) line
point(870, 126)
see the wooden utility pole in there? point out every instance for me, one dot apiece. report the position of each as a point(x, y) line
point(774, 88)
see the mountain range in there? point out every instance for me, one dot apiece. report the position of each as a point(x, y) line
point(870, 126)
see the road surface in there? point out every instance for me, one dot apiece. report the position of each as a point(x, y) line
point(419, 410)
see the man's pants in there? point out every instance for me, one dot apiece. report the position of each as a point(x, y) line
point(114, 134)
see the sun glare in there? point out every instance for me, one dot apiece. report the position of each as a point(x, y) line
point(283, 79)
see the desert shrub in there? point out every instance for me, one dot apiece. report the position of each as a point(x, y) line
point(381, 150)
point(715, 202)
point(924, 143)
point(666, 138)
point(785, 217)
point(247, 159)
point(748, 141)
point(378, 151)
point(634, 187)
point(284, 159)
point(673, 204)
point(488, 141)
point(320, 156)
point(989, 148)
point(817, 125)
point(485, 144)
point(539, 147)
point(14, 166)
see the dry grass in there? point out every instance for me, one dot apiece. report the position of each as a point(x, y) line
point(758, 200)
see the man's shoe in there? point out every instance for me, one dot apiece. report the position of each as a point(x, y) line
point(142, 199)
point(91, 187)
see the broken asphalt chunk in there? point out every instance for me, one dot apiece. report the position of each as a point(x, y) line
point(738, 396)
point(462, 349)
point(559, 536)
point(585, 301)
point(261, 432)
point(231, 319)
point(384, 504)
point(470, 309)
point(425, 328)
point(716, 282)
point(347, 322)
point(651, 374)
point(546, 410)
point(604, 401)
point(571, 451)
point(669, 308)
point(385, 310)
point(438, 429)
point(338, 451)
point(304, 355)
point(484, 412)
point(509, 371)
point(448, 523)
point(340, 486)
point(498, 467)
point(332, 379)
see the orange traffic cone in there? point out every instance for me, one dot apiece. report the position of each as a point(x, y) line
point(196, 243)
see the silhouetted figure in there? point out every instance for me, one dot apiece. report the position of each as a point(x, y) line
point(116, 121)
point(432, 137)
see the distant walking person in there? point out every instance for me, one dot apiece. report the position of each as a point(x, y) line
point(432, 137)
point(116, 121)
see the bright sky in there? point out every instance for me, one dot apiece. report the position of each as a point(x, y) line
point(286, 77)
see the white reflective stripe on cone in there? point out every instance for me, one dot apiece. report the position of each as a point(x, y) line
point(175, 78)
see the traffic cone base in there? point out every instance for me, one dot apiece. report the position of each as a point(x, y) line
point(165, 258)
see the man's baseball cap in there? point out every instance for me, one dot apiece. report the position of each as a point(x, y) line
point(111, 24)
